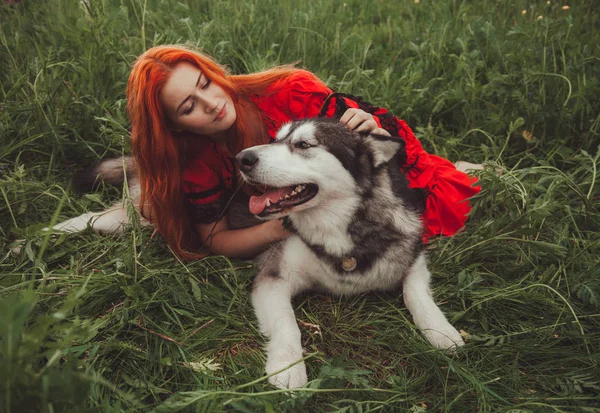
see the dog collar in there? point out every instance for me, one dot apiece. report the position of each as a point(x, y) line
point(348, 263)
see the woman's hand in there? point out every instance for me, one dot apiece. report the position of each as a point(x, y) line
point(359, 121)
point(380, 131)
point(278, 232)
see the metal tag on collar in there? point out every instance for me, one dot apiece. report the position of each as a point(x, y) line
point(349, 263)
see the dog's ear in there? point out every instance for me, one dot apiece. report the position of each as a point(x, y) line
point(384, 148)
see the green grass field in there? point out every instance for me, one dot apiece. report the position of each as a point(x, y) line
point(115, 324)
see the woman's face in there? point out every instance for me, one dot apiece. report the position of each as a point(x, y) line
point(195, 104)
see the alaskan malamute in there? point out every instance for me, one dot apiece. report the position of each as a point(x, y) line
point(356, 227)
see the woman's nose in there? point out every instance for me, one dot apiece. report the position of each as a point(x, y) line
point(209, 103)
point(210, 107)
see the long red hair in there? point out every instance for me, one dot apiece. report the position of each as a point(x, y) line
point(159, 154)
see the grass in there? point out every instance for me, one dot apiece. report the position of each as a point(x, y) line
point(111, 324)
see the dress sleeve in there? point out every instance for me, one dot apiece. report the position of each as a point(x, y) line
point(306, 95)
point(205, 193)
point(299, 96)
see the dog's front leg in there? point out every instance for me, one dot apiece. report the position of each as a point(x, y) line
point(272, 301)
point(426, 314)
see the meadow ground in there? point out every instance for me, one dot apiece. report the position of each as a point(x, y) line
point(111, 324)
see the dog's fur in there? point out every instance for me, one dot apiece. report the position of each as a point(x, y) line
point(363, 213)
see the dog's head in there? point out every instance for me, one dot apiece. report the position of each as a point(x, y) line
point(310, 162)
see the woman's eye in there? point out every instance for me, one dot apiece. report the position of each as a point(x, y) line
point(189, 110)
point(302, 145)
point(207, 84)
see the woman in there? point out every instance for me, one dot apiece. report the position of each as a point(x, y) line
point(190, 117)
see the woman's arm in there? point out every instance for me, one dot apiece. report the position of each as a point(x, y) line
point(240, 243)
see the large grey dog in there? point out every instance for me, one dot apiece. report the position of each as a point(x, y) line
point(355, 222)
point(356, 228)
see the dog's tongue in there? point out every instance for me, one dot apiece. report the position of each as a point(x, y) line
point(259, 203)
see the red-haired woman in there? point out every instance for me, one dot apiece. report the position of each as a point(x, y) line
point(189, 117)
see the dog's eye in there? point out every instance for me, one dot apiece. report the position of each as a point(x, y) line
point(302, 145)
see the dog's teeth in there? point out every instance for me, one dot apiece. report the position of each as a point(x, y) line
point(293, 193)
point(268, 204)
point(298, 188)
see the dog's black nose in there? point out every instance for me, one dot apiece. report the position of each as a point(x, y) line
point(246, 160)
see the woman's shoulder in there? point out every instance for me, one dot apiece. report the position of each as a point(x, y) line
point(197, 171)
point(297, 96)
point(201, 162)
point(208, 180)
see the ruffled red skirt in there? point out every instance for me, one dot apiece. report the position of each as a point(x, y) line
point(447, 204)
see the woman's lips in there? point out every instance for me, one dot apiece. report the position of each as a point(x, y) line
point(221, 113)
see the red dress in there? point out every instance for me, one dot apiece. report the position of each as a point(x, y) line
point(210, 179)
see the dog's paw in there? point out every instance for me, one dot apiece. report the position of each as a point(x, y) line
point(290, 378)
point(444, 338)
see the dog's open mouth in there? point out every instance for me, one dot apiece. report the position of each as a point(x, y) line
point(275, 200)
